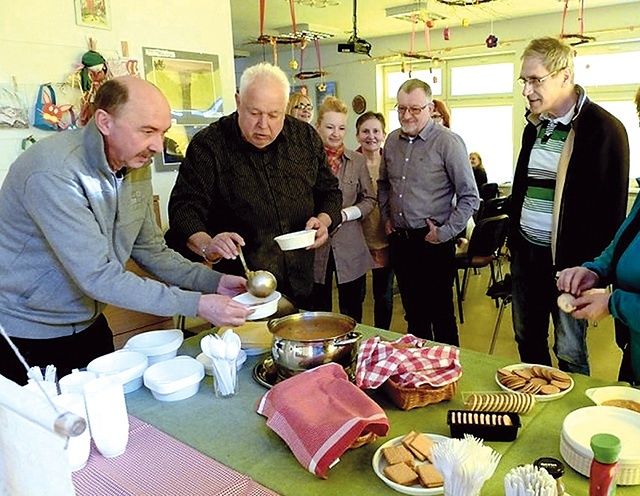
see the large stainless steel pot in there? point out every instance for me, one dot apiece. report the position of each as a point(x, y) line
point(303, 341)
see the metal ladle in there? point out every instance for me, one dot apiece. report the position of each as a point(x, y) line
point(260, 283)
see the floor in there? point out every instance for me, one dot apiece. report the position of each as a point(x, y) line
point(480, 314)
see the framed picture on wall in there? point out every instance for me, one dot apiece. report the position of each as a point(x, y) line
point(93, 13)
point(323, 90)
point(176, 141)
point(191, 82)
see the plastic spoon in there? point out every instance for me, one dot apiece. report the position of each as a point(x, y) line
point(233, 344)
point(216, 349)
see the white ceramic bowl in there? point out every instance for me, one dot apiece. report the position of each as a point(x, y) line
point(157, 345)
point(126, 365)
point(174, 379)
point(296, 240)
point(602, 394)
point(263, 307)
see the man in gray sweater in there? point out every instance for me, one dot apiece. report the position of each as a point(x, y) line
point(73, 209)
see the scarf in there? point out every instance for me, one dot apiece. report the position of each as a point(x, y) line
point(334, 157)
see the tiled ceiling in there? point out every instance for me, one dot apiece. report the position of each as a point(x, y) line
point(374, 19)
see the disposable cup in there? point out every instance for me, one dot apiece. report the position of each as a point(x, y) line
point(107, 412)
point(78, 447)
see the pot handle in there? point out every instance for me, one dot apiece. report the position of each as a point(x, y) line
point(271, 323)
point(350, 338)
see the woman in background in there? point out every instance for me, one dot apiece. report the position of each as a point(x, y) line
point(300, 107)
point(370, 133)
point(441, 113)
point(346, 252)
point(478, 169)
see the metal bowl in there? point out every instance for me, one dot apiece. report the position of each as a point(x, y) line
point(305, 340)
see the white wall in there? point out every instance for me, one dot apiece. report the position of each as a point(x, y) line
point(40, 42)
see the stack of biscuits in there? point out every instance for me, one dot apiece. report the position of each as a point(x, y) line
point(500, 402)
point(535, 380)
point(409, 463)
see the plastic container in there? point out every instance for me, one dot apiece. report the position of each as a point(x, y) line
point(490, 426)
point(174, 379)
point(262, 307)
point(126, 365)
point(157, 345)
point(604, 467)
point(296, 240)
point(556, 470)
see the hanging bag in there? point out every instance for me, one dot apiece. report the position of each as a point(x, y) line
point(50, 116)
point(13, 112)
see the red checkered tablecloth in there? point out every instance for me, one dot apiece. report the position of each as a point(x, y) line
point(408, 360)
point(156, 464)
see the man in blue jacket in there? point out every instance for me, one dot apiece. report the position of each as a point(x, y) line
point(569, 197)
point(73, 209)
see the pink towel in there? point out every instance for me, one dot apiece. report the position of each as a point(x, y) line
point(408, 360)
point(319, 414)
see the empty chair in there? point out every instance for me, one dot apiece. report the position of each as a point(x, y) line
point(488, 191)
point(487, 239)
point(495, 206)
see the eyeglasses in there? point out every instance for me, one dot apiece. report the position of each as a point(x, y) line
point(437, 117)
point(401, 109)
point(303, 106)
point(537, 81)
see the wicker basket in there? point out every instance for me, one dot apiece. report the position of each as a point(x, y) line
point(407, 398)
point(369, 437)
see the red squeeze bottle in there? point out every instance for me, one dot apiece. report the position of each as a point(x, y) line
point(604, 467)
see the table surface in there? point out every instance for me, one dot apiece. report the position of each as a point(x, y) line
point(230, 431)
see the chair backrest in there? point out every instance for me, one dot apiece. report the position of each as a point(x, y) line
point(488, 237)
point(488, 191)
point(477, 215)
point(495, 206)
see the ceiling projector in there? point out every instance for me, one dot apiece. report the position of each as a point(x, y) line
point(355, 45)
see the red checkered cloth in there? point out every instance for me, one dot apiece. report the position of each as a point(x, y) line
point(408, 361)
point(319, 414)
point(154, 463)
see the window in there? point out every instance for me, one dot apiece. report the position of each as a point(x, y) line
point(487, 131)
point(607, 69)
point(626, 112)
point(482, 79)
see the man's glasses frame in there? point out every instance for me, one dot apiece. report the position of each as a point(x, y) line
point(401, 109)
point(537, 81)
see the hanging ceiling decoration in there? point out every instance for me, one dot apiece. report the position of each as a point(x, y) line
point(463, 3)
point(270, 39)
point(304, 75)
point(579, 38)
point(321, 4)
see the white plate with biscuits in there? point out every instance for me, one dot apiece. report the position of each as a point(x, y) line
point(543, 382)
point(379, 463)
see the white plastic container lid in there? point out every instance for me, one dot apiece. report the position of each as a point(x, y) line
point(170, 378)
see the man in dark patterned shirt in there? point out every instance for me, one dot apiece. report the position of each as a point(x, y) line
point(251, 176)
